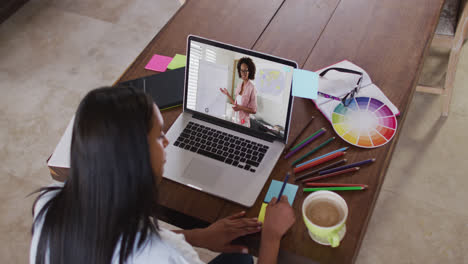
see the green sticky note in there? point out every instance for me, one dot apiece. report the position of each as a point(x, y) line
point(261, 215)
point(177, 62)
point(305, 84)
point(275, 188)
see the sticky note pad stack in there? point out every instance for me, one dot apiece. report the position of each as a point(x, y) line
point(290, 191)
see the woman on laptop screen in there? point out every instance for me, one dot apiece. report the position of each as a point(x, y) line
point(245, 102)
point(105, 211)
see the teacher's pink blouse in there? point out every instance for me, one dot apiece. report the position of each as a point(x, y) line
point(249, 99)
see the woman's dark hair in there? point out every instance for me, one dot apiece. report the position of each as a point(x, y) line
point(110, 195)
point(250, 64)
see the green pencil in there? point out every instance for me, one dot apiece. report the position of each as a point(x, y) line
point(313, 151)
point(300, 143)
point(356, 188)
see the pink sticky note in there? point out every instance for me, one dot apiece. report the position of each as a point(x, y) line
point(158, 63)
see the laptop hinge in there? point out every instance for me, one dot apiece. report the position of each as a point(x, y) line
point(229, 125)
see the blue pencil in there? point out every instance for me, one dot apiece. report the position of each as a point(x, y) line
point(282, 187)
point(314, 159)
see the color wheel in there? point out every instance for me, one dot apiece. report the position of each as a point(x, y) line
point(365, 122)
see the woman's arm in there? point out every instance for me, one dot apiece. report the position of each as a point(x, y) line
point(239, 107)
point(219, 235)
point(225, 91)
point(279, 217)
point(269, 248)
point(193, 236)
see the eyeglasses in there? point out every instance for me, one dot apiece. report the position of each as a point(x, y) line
point(348, 98)
point(244, 71)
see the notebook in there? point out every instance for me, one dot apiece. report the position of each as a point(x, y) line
point(166, 88)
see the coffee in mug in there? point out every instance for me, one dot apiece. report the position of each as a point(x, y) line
point(324, 214)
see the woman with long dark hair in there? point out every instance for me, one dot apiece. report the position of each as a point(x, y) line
point(105, 211)
point(245, 95)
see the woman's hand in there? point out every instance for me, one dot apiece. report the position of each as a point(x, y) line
point(237, 107)
point(279, 217)
point(219, 235)
point(224, 91)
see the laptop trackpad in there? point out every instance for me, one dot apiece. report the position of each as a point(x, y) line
point(202, 172)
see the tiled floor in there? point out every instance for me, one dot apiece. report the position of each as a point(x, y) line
point(52, 52)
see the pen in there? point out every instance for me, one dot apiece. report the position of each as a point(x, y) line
point(282, 187)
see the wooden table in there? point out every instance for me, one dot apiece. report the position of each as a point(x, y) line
point(387, 38)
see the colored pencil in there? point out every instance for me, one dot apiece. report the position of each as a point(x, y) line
point(314, 184)
point(282, 187)
point(355, 188)
point(299, 134)
point(313, 151)
point(356, 164)
point(331, 174)
point(309, 137)
point(309, 140)
point(324, 155)
point(319, 161)
point(334, 164)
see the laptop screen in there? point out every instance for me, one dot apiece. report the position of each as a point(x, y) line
point(246, 88)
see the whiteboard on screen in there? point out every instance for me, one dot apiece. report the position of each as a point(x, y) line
point(211, 77)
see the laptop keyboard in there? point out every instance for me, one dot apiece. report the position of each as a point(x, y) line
point(221, 146)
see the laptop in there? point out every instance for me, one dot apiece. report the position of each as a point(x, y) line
point(215, 146)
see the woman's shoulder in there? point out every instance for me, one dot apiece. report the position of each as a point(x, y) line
point(251, 84)
point(251, 87)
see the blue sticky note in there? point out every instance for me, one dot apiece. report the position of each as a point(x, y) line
point(305, 84)
point(275, 188)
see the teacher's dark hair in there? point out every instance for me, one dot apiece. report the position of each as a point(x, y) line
point(110, 195)
point(250, 64)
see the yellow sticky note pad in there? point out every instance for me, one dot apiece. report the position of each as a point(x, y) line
point(177, 62)
point(261, 215)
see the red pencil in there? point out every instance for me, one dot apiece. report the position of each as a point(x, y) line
point(318, 162)
point(331, 174)
point(314, 184)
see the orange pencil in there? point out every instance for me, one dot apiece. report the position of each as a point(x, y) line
point(319, 161)
point(331, 174)
point(314, 184)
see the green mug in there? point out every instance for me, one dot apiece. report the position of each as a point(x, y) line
point(325, 214)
